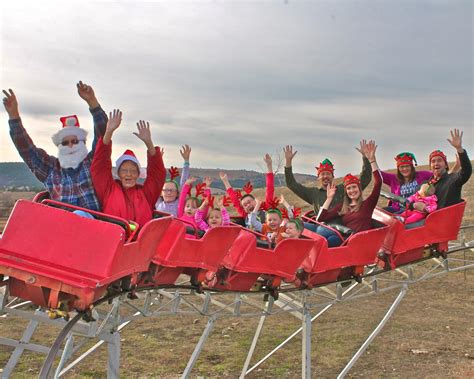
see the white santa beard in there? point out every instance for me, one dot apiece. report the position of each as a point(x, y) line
point(71, 157)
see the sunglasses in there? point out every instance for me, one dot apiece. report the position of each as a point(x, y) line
point(71, 141)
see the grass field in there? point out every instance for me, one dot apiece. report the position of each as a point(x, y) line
point(431, 335)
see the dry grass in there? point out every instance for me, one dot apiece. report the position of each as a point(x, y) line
point(430, 336)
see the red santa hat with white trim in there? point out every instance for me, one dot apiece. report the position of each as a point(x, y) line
point(128, 155)
point(70, 128)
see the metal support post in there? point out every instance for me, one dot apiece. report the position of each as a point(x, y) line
point(376, 331)
point(253, 345)
point(306, 342)
point(17, 353)
point(198, 348)
point(67, 352)
point(113, 363)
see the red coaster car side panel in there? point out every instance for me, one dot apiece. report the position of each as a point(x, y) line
point(62, 252)
point(176, 253)
point(440, 226)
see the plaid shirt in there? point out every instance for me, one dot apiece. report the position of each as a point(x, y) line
point(72, 186)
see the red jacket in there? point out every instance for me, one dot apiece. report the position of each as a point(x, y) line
point(135, 203)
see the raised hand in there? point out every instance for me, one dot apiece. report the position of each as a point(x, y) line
point(190, 180)
point(370, 150)
point(220, 202)
point(225, 180)
point(185, 152)
point(115, 118)
point(455, 141)
point(363, 147)
point(331, 190)
point(162, 151)
point(289, 155)
point(457, 165)
point(11, 104)
point(208, 181)
point(144, 133)
point(87, 93)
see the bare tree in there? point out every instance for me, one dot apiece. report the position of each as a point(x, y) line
point(278, 162)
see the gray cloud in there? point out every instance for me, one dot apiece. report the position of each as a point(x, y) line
point(235, 80)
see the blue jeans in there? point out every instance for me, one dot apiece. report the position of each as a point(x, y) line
point(331, 236)
point(83, 214)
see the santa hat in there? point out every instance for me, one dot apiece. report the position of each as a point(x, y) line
point(325, 165)
point(439, 153)
point(128, 155)
point(405, 158)
point(351, 179)
point(70, 128)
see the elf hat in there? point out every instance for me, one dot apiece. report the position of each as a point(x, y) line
point(439, 153)
point(325, 165)
point(70, 128)
point(351, 179)
point(405, 158)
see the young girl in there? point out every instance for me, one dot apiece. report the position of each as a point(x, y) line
point(355, 212)
point(215, 216)
point(124, 197)
point(426, 196)
point(168, 201)
point(187, 206)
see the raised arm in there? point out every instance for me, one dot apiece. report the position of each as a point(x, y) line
point(300, 190)
point(256, 225)
point(326, 214)
point(38, 161)
point(466, 167)
point(232, 194)
point(86, 92)
point(183, 195)
point(371, 148)
point(366, 173)
point(270, 180)
point(186, 154)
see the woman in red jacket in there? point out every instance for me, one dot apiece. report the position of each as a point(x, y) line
point(355, 212)
point(124, 197)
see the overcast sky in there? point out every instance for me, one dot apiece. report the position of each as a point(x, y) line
point(237, 79)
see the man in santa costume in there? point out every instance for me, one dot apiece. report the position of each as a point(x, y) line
point(67, 178)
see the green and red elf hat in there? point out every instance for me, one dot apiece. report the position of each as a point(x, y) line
point(174, 173)
point(439, 153)
point(272, 207)
point(325, 165)
point(405, 158)
point(351, 179)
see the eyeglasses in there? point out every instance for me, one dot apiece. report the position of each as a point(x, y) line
point(169, 190)
point(74, 141)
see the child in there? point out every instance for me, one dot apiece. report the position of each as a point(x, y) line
point(426, 196)
point(272, 228)
point(246, 204)
point(187, 206)
point(293, 229)
point(215, 216)
point(168, 201)
point(124, 197)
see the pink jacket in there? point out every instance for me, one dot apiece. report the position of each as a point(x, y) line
point(430, 201)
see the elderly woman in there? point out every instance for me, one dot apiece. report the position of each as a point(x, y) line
point(125, 197)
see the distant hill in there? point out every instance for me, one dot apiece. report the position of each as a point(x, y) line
point(16, 175)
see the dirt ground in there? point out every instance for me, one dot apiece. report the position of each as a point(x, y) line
point(431, 335)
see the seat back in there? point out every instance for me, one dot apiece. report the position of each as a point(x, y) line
point(51, 237)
